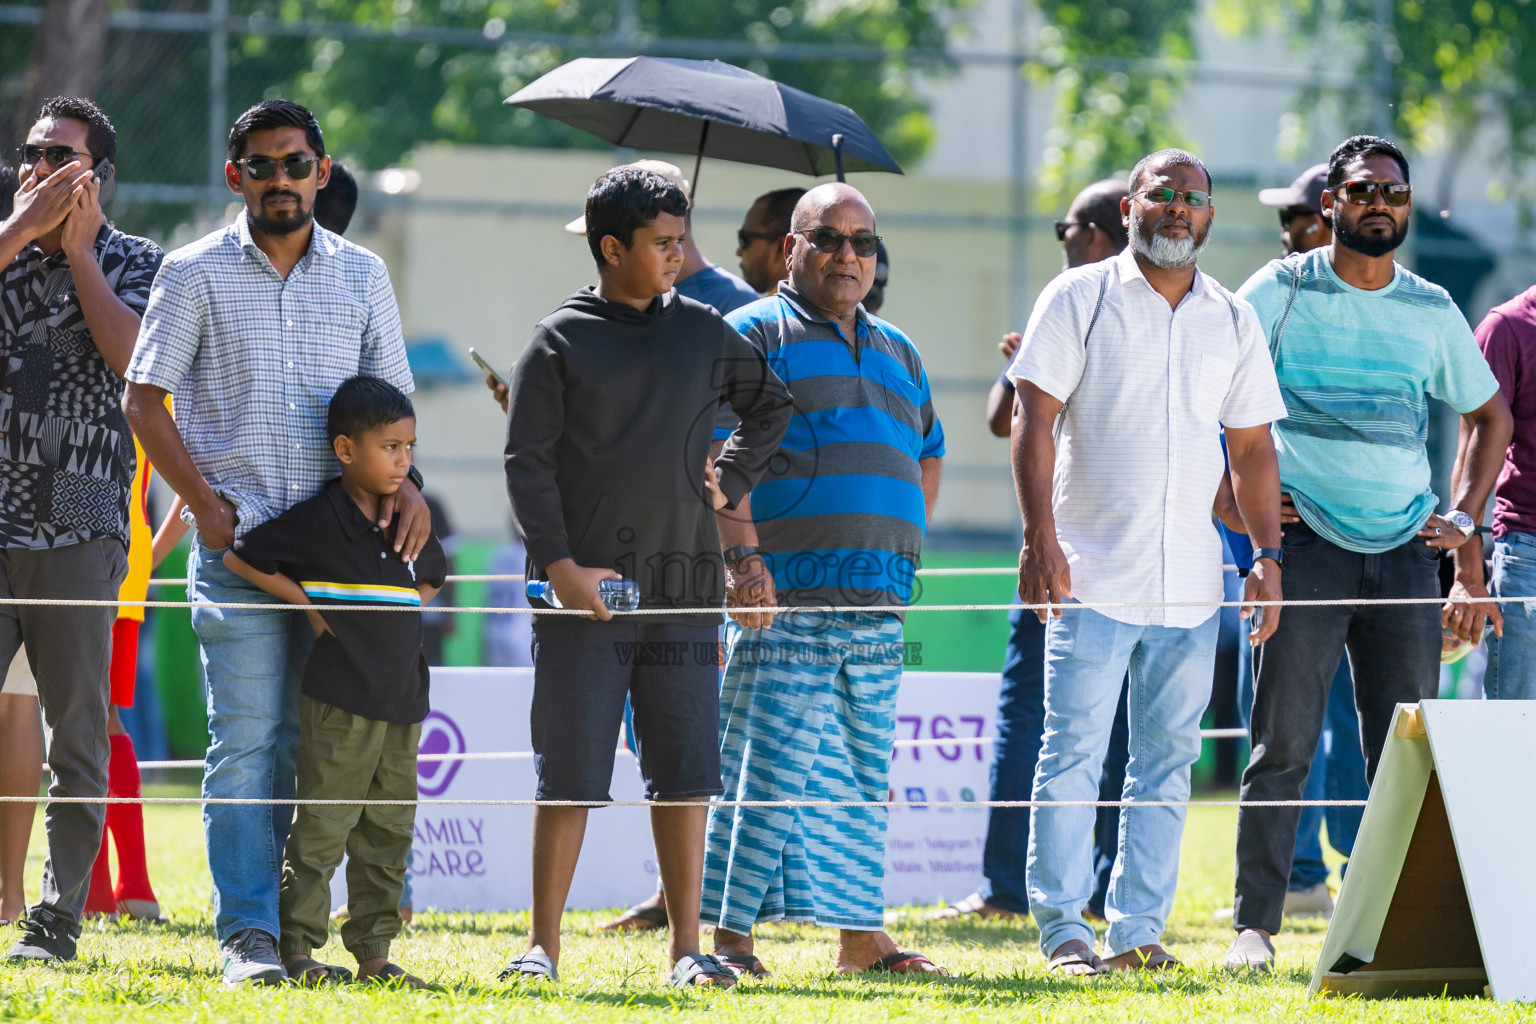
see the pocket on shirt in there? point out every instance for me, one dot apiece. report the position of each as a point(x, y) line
point(337, 329)
point(1212, 382)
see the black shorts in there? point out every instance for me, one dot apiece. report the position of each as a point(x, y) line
point(582, 671)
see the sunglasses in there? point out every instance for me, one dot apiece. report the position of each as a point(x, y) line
point(744, 238)
point(260, 168)
point(1286, 216)
point(829, 240)
point(57, 156)
point(1163, 195)
point(1361, 193)
point(1063, 225)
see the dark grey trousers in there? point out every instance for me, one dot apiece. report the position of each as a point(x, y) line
point(70, 651)
point(1394, 656)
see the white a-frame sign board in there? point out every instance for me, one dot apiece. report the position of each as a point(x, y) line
point(1440, 892)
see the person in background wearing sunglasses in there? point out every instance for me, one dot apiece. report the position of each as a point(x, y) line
point(808, 701)
point(1128, 372)
point(1359, 343)
point(252, 328)
point(71, 294)
point(1093, 230)
point(760, 239)
point(1302, 224)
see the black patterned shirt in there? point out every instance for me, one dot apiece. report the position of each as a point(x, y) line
point(66, 453)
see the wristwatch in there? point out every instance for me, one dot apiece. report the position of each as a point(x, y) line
point(414, 476)
point(1463, 522)
point(1276, 555)
point(736, 553)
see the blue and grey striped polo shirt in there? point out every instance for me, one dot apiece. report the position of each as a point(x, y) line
point(840, 514)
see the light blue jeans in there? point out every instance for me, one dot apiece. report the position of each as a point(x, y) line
point(1511, 671)
point(254, 661)
point(1087, 655)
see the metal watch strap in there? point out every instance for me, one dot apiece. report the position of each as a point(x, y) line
point(1276, 555)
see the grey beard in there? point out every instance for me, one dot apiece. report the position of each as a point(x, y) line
point(1168, 253)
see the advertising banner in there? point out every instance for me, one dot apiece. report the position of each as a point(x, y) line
point(478, 858)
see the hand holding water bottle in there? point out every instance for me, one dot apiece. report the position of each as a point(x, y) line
point(576, 586)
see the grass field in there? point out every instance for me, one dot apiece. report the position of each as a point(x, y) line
point(136, 972)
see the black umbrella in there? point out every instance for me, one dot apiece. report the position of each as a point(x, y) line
point(709, 108)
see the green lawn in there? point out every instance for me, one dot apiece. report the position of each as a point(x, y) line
point(136, 972)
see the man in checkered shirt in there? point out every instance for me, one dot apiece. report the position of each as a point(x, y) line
point(251, 329)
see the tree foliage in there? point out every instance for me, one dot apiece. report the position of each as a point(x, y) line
point(1109, 114)
point(378, 99)
point(1453, 68)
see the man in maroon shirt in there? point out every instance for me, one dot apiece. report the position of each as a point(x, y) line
point(1507, 337)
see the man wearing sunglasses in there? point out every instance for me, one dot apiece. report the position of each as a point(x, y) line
point(760, 239)
point(72, 290)
point(1359, 344)
point(252, 328)
point(1128, 372)
point(808, 700)
point(1092, 231)
point(1302, 224)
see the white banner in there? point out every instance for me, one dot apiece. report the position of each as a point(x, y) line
point(479, 858)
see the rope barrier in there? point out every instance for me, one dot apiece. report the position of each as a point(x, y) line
point(780, 804)
point(990, 570)
point(525, 755)
point(853, 609)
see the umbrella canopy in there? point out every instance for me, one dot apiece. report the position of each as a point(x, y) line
point(708, 108)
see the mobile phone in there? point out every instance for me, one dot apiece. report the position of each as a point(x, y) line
point(106, 174)
point(488, 368)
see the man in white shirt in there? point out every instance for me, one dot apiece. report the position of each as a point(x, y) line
point(1145, 360)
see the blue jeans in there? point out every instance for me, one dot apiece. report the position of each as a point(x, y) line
point(1020, 724)
point(1086, 657)
point(254, 661)
point(1511, 671)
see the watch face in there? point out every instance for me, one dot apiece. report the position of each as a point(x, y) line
point(1461, 520)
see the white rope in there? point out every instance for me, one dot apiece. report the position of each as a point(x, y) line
point(892, 804)
point(524, 755)
point(853, 609)
point(990, 570)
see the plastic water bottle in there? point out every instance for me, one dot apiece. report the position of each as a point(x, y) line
point(619, 595)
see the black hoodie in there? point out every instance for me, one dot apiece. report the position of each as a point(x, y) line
point(612, 415)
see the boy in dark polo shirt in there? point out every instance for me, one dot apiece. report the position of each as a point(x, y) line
point(608, 440)
point(364, 693)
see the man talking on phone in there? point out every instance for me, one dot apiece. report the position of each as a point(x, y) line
point(71, 293)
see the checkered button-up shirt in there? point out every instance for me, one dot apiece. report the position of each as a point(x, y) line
point(66, 455)
point(253, 359)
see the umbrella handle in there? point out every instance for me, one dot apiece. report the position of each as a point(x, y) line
point(837, 155)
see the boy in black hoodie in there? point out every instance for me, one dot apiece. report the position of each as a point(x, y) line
point(612, 410)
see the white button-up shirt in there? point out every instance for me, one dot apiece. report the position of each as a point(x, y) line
point(1139, 457)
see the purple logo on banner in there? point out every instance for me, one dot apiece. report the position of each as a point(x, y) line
point(439, 735)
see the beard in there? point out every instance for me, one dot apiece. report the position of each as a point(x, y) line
point(1164, 252)
point(295, 219)
point(1351, 237)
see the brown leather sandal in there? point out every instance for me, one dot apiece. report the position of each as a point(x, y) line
point(1151, 957)
point(1075, 959)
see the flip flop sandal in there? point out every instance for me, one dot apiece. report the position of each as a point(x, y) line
point(903, 962)
point(1151, 957)
point(692, 967)
point(535, 966)
point(395, 975)
point(1083, 956)
point(744, 965)
point(640, 918)
point(311, 973)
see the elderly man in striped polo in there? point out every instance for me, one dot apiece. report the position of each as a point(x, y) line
point(1128, 371)
point(808, 703)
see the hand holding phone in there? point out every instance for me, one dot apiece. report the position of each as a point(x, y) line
point(490, 370)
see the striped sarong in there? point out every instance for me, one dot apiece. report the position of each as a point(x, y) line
point(807, 712)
